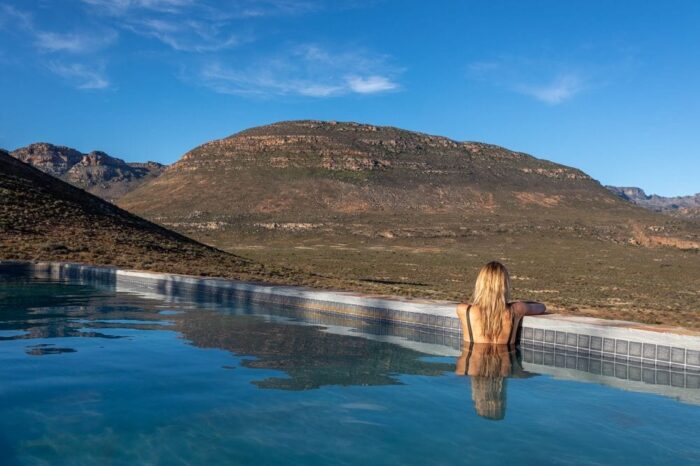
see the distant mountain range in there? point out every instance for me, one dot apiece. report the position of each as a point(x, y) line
point(682, 206)
point(95, 172)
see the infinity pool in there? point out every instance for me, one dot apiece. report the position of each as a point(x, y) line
point(92, 376)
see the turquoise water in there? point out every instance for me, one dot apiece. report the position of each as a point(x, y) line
point(90, 376)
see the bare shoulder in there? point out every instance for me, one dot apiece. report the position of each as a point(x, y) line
point(462, 309)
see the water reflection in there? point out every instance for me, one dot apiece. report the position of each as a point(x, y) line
point(309, 356)
point(489, 366)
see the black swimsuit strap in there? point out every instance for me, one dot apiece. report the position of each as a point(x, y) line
point(469, 325)
point(471, 338)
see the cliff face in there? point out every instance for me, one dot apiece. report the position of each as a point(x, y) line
point(679, 206)
point(95, 172)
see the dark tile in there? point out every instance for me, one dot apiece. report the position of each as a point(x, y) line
point(528, 333)
point(608, 369)
point(595, 366)
point(608, 345)
point(677, 379)
point(621, 371)
point(561, 338)
point(571, 362)
point(693, 358)
point(596, 343)
point(548, 359)
point(663, 353)
point(539, 356)
point(649, 376)
point(678, 355)
point(539, 334)
point(649, 351)
point(635, 373)
point(583, 341)
point(571, 339)
point(582, 364)
point(635, 349)
point(692, 381)
point(559, 360)
point(663, 377)
point(549, 336)
point(621, 346)
point(595, 355)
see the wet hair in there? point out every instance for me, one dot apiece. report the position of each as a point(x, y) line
point(491, 296)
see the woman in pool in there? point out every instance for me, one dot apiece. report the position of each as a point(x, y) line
point(492, 318)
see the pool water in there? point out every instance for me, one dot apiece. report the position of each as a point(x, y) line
point(92, 376)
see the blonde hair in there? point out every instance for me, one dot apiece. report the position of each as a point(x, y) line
point(488, 386)
point(491, 296)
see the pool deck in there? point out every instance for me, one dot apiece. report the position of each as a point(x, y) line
point(662, 347)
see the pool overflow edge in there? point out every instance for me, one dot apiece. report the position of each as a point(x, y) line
point(594, 345)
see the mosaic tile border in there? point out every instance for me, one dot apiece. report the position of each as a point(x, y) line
point(595, 363)
point(664, 357)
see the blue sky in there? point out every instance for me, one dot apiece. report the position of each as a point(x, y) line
point(612, 88)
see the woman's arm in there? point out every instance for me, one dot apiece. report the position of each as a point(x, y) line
point(462, 314)
point(528, 308)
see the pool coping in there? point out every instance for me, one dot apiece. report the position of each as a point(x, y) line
point(665, 346)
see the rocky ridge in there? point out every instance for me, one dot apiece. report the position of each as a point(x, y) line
point(95, 172)
point(680, 206)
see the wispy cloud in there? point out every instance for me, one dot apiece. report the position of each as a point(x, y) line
point(306, 71)
point(547, 82)
point(371, 84)
point(48, 41)
point(118, 7)
point(187, 35)
point(560, 89)
point(58, 45)
point(80, 75)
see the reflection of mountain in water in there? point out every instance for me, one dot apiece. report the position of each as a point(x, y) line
point(312, 358)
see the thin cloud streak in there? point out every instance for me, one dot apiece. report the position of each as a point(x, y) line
point(47, 41)
point(531, 78)
point(308, 70)
point(82, 76)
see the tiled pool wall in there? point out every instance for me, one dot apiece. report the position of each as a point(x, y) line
point(552, 337)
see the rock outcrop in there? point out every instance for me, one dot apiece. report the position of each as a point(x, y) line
point(680, 206)
point(95, 172)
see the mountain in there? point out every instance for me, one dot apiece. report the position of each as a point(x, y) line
point(96, 172)
point(419, 214)
point(44, 218)
point(681, 206)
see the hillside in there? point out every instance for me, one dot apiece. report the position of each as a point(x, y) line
point(420, 213)
point(96, 172)
point(679, 206)
point(44, 218)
